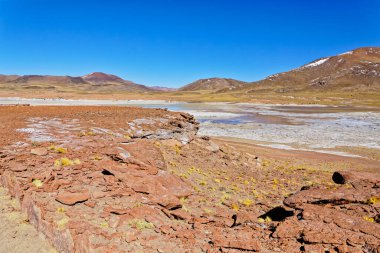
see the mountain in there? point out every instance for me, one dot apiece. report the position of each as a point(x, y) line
point(99, 77)
point(161, 88)
point(39, 79)
point(7, 78)
point(356, 70)
point(94, 82)
point(214, 84)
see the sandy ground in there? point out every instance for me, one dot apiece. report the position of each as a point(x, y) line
point(297, 157)
point(16, 234)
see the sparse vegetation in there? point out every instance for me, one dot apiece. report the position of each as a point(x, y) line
point(141, 224)
point(66, 162)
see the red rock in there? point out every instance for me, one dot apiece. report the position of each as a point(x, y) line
point(165, 229)
point(149, 185)
point(344, 177)
point(288, 229)
point(174, 184)
point(118, 211)
point(39, 151)
point(181, 214)
point(319, 232)
point(18, 168)
point(98, 194)
point(140, 148)
point(90, 203)
point(168, 201)
point(201, 220)
point(58, 183)
point(314, 248)
point(241, 239)
point(336, 196)
point(186, 233)
point(131, 236)
point(68, 198)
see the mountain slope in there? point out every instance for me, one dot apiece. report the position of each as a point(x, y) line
point(99, 77)
point(354, 70)
point(162, 88)
point(94, 82)
point(7, 78)
point(214, 84)
point(39, 79)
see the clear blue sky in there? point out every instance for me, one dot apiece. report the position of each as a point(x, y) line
point(172, 43)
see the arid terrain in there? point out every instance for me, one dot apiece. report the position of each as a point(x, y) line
point(124, 179)
point(290, 163)
point(350, 78)
point(189, 126)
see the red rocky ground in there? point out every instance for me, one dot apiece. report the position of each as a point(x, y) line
point(116, 179)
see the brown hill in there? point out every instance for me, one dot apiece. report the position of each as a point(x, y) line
point(214, 84)
point(7, 78)
point(94, 82)
point(39, 79)
point(357, 70)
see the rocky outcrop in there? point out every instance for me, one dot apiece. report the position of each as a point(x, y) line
point(86, 188)
point(346, 177)
point(343, 218)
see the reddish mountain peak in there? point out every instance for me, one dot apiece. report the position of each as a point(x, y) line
point(100, 77)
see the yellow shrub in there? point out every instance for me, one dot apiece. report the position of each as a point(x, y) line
point(61, 150)
point(261, 220)
point(247, 202)
point(37, 183)
point(235, 207)
point(104, 225)
point(58, 149)
point(62, 222)
point(57, 163)
point(373, 200)
point(203, 183)
point(369, 219)
point(66, 162)
point(268, 219)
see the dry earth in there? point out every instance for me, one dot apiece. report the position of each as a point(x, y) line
point(16, 234)
point(117, 179)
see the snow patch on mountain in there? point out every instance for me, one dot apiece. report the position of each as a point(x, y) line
point(316, 63)
point(349, 52)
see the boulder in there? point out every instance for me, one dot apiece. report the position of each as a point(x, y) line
point(68, 198)
point(39, 151)
point(344, 177)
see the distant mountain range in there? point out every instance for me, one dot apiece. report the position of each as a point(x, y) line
point(94, 82)
point(356, 70)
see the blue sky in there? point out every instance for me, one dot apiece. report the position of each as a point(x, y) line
point(172, 43)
